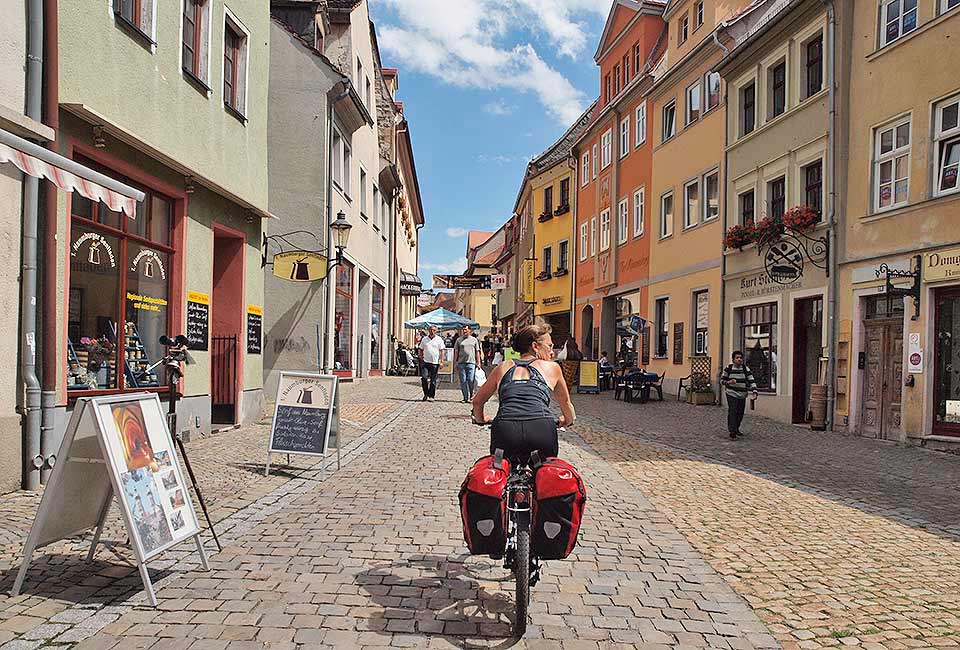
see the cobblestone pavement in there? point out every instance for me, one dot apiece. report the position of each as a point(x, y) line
point(373, 556)
point(833, 540)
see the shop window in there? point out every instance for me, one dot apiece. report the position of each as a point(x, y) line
point(947, 145)
point(376, 326)
point(747, 208)
point(891, 167)
point(758, 341)
point(662, 324)
point(701, 315)
point(748, 108)
point(119, 293)
point(196, 39)
point(235, 67)
point(897, 18)
point(813, 185)
point(343, 318)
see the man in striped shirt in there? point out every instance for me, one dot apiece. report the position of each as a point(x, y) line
point(738, 381)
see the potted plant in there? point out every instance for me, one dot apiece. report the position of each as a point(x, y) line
point(738, 236)
point(768, 230)
point(99, 350)
point(701, 390)
point(801, 217)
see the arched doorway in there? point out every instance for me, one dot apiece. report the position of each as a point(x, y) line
point(586, 332)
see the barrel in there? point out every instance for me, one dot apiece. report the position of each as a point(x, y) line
point(818, 406)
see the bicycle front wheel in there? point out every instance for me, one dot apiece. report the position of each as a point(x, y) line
point(521, 571)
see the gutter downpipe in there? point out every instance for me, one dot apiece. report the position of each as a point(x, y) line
point(723, 257)
point(49, 293)
point(32, 460)
point(833, 266)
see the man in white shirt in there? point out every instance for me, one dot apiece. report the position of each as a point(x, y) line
point(431, 350)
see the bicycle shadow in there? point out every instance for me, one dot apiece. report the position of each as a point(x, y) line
point(442, 596)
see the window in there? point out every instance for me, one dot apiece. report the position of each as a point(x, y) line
point(813, 53)
point(947, 5)
point(120, 283)
point(661, 314)
point(813, 186)
point(691, 203)
point(563, 249)
point(363, 193)
point(347, 170)
point(367, 93)
point(777, 191)
point(137, 14)
point(376, 326)
point(747, 208)
point(607, 147)
point(683, 29)
point(376, 208)
point(593, 236)
point(669, 120)
point(698, 15)
point(637, 62)
point(606, 89)
point(583, 241)
point(693, 103)
point(748, 106)
point(638, 210)
point(547, 267)
point(666, 215)
point(947, 143)
point(336, 155)
point(565, 194)
point(623, 221)
point(712, 84)
point(897, 17)
point(701, 321)
point(196, 40)
point(711, 196)
point(778, 89)
point(596, 161)
point(891, 167)
point(548, 201)
point(234, 67)
point(356, 82)
point(640, 135)
point(625, 136)
point(343, 308)
point(758, 340)
point(616, 80)
point(605, 230)
point(626, 69)
point(585, 169)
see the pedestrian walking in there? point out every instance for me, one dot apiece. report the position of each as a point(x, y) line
point(431, 351)
point(468, 359)
point(738, 381)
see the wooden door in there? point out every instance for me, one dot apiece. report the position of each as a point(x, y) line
point(882, 378)
point(807, 347)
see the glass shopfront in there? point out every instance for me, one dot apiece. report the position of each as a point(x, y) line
point(343, 318)
point(757, 339)
point(376, 327)
point(947, 380)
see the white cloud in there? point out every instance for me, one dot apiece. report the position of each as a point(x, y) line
point(455, 267)
point(498, 159)
point(498, 107)
point(456, 232)
point(467, 44)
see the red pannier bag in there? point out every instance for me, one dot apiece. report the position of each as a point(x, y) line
point(483, 507)
point(559, 498)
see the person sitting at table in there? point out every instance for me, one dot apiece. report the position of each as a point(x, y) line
point(604, 361)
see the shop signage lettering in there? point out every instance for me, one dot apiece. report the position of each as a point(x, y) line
point(529, 274)
point(146, 303)
point(424, 299)
point(552, 300)
point(198, 320)
point(942, 265)
point(462, 281)
point(634, 263)
point(762, 285)
point(254, 329)
point(678, 343)
point(152, 260)
point(97, 243)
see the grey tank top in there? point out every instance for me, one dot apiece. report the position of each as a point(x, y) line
point(523, 399)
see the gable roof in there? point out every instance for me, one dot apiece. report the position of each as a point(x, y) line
point(560, 150)
point(476, 237)
point(653, 7)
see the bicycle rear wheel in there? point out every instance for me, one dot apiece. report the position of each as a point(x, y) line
point(521, 571)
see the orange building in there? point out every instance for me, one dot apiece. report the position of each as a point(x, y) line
point(614, 171)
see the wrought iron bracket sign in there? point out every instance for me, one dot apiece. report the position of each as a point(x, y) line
point(913, 291)
point(784, 259)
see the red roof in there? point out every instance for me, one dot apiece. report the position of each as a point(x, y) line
point(477, 237)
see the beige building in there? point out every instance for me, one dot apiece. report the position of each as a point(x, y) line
point(898, 354)
point(778, 139)
point(483, 249)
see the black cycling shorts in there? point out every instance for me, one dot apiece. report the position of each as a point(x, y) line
point(517, 438)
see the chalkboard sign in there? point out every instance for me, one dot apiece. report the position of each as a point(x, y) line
point(305, 414)
point(254, 329)
point(198, 321)
point(645, 346)
point(678, 343)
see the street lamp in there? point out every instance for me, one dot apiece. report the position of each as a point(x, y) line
point(341, 233)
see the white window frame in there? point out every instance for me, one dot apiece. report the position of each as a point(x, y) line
point(593, 236)
point(605, 230)
point(639, 207)
point(624, 136)
point(347, 156)
point(546, 262)
point(666, 225)
point(884, 22)
point(942, 140)
point(596, 160)
point(640, 135)
point(362, 191)
point(623, 221)
point(691, 220)
point(683, 29)
point(945, 6)
point(585, 169)
point(703, 196)
point(375, 207)
point(583, 241)
point(891, 156)
point(706, 92)
point(606, 148)
point(565, 263)
point(688, 118)
point(336, 155)
point(672, 106)
point(698, 15)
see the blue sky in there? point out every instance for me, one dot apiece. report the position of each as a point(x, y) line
point(486, 85)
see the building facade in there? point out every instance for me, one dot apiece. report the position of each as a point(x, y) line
point(483, 249)
point(896, 374)
point(506, 264)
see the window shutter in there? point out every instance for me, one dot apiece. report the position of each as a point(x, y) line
point(242, 76)
point(146, 17)
point(204, 55)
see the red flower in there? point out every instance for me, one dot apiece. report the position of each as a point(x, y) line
point(738, 236)
point(801, 218)
point(768, 230)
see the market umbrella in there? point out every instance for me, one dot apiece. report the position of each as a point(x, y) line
point(444, 319)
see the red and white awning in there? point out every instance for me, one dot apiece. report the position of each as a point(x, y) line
point(67, 174)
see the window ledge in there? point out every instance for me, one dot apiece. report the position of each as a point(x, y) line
point(880, 51)
point(909, 208)
point(638, 235)
point(235, 113)
point(199, 84)
point(134, 31)
point(664, 237)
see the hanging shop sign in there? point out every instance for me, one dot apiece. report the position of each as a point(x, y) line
point(783, 262)
point(425, 300)
point(306, 415)
point(410, 285)
point(300, 266)
point(941, 265)
point(198, 320)
point(498, 281)
point(119, 447)
point(529, 275)
point(254, 329)
point(463, 281)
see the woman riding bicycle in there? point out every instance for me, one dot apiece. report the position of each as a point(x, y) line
point(524, 423)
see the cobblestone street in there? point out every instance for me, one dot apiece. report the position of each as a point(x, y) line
point(785, 538)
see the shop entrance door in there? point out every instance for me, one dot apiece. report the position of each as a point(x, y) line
point(883, 371)
point(946, 412)
point(807, 347)
point(227, 322)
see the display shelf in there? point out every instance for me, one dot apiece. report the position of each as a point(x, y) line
point(136, 361)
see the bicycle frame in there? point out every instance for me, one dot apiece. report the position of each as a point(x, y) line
point(519, 497)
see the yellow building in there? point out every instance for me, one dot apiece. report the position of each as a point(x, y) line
point(897, 366)
point(686, 104)
point(550, 183)
point(478, 304)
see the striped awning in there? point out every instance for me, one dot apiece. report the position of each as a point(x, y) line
point(67, 174)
